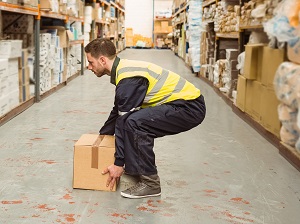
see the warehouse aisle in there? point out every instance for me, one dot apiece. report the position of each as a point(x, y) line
point(223, 171)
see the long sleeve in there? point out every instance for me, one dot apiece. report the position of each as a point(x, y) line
point(129, 94)
point(109, 126)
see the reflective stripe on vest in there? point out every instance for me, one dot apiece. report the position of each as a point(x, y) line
point(164, 86)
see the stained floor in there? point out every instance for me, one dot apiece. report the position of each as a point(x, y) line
point(222, 171)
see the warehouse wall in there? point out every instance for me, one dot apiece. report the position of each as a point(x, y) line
point(139, 16)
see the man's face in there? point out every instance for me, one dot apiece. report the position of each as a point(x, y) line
point(97, 66)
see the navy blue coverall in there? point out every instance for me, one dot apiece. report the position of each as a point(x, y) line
point(135, 131)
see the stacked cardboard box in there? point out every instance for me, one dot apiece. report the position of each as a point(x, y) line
point(141, 41)
point(24, 74)
point(255, 91)
point(10, 51)
point(129, 37)
point(73, 60)
point(71, 8)
point(163, 26)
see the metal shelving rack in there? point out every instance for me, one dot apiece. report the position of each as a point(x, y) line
point(37, 22)
point(101, 23)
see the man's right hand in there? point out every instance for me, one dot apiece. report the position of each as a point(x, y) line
point(115, 172)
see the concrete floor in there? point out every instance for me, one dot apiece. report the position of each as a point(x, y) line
point(223, 171)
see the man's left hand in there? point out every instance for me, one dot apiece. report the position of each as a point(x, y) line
point(115, 172)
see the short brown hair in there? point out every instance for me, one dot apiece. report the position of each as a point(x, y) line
point(101, 47)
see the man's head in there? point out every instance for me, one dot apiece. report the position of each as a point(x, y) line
point(100, 54)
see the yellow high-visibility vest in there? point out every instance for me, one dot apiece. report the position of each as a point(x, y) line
point(164, 86)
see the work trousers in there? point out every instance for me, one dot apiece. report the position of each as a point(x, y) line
point(135, 131)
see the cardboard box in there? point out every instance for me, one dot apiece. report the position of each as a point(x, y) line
point(269, 111)
point(164, 26)
point(24, 93)
point(13, 66)
point(241, 92)
point(129, 32)
point(13, 99)
point(232, 54)
point(10, 48)
point(129, 42)
point(4, 105)
point(293, 51)
point(64, 35)
point(271, 60)
point(24, 76)
point(253, 99)
point(46, 5)
point(3, 69)
point(92, 154)
point(23, 60)
point(252, 66)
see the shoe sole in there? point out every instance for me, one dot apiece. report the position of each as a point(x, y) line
point(143, 196)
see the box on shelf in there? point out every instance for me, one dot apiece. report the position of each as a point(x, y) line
point(232, 54)
point(3, 69)
point(253, 99)
point(27, 39)
point(13, 66)
point(157, 27)
point(92, 154)
point(23, 60)
point(64, 35)
point(13, 99)
point(4, 105)
point(271, 60)
point(10, 48)
point(24, 93)
point(269, 107)
point(241, 92)
point(164, 25)
point(46, 5)
point(24, 76)
point(253, 61)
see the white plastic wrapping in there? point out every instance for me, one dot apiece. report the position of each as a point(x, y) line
point(287, 83)
point(279, 26)
point(288, 118)
point(241, 62)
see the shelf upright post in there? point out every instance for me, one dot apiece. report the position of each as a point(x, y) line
point(153, 22)
point(93, 22)
point(82, 46)
point(37, 23)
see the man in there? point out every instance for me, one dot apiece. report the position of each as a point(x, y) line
point(150, 102)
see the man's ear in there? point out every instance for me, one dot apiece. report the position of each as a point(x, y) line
point(102, 60)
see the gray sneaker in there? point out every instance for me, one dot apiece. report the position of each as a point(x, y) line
point(148, 186)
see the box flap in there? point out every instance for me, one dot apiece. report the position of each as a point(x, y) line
point(87, 139)
point(108, 141)
point(70, 35)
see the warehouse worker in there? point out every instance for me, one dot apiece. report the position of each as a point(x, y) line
point(150, 102)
